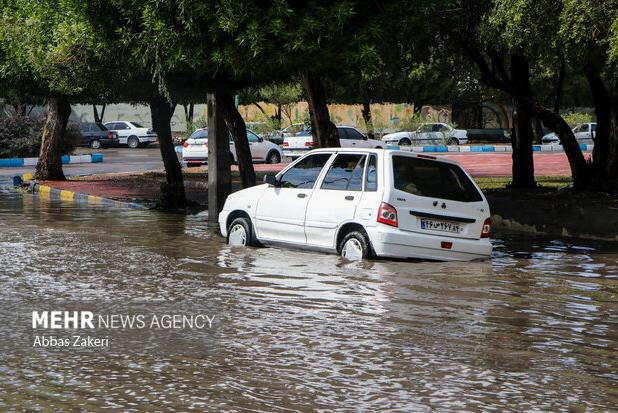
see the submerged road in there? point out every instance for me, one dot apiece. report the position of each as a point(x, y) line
point(119, 160)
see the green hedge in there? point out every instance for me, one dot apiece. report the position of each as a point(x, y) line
point(20, 136)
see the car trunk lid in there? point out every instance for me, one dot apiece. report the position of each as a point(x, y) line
point(436, 198)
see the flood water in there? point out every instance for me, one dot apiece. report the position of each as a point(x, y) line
point(533, 329)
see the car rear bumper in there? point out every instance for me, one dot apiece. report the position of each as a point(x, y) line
point(395, 243)
point(148, 138)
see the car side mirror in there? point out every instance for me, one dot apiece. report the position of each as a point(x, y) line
point(271, 180)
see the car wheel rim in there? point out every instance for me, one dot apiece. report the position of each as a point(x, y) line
point(274, 158)
point(352, 250)
point(238, 235)
point(95, 145)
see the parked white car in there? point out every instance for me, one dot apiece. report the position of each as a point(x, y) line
point(584, 133)
point(132, 133)
point(349, 137)
point(428, 134)
point(195, 149)
point(364, 203)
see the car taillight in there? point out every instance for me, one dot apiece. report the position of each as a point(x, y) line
point(286, 144)
point(309, 144)
point(185, 145)
point(206, 144)
point(110, 135)
point(485, 232)
point(387, 214)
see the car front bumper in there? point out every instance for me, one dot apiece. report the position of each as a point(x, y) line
point(395, 243)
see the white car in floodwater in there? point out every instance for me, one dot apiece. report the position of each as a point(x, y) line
point(428, 134)
point(195, 149)
point(364, 203)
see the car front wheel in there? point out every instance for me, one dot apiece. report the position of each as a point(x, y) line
point(240, 233)
point(405, 142)
point(133, 142)
point(355, 246)
point(452, 141)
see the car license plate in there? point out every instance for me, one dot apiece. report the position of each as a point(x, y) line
point(444, 226)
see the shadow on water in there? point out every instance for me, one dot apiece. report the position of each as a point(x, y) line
point(534, 328)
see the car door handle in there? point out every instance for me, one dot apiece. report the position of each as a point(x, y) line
point(349, 198)
point(301, 195)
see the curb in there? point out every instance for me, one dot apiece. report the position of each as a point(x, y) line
point(55, 194)
point(66, 159)
point(481, 148)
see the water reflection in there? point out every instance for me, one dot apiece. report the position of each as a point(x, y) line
point(535, 328)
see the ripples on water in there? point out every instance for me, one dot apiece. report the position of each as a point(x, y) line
point(535, 328)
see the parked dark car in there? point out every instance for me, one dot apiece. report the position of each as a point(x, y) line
point(96, 135)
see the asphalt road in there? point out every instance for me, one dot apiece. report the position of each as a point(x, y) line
point(114, 160)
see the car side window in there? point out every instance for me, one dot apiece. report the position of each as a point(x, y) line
point(252, 137)
point(583, 128)
point(341, 133)
point(85, 127)
point(426, 128)
point(345, 173)
point(594, 127)
point(354, 134)
point(304, 174)
point(120, 126)
point(371, 174)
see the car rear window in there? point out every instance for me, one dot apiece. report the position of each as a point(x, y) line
point(434, 179)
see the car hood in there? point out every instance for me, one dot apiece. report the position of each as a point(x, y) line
point(252, 193)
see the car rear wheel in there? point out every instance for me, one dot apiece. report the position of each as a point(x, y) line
point(405, 142)
point(355, 246)
point(240, 233)
point(273, 157)
point(452, 141)
point(133, 142)
point(95, 144)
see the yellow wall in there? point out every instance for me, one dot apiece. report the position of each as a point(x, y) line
point(384, 115)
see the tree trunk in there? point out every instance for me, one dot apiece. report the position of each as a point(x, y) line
point(219, 176)
point(189, 110)
point(579, 167)
point(537, 126)
point(323, 129)
point(559, 86)
point(98, 118)
point(366, 112)
point(172, 194)
point(523, 162)
point(49, 165)
point(605, 152)
point(236, 126)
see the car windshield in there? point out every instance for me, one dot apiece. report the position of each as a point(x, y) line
point(137, 125)
point(434, 179)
